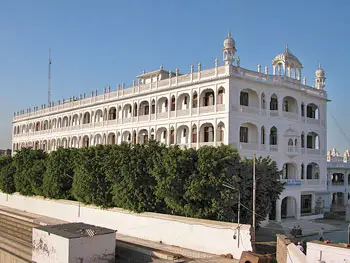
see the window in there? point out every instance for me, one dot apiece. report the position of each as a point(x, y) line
point(286, 108)
point(195, 100)
point(302, 171)
point(185, 100)
point(185, 132)
point(146, 111)
point(244, 99)
point(273, 104)
point(207, 131)
point(208, 99)
point(153, 107)
point(172, 108)
point(302, 110)
point(273, 136)
point(262, 135)
point(194, 134)
point(302, 140)
point(164, 135)
point(243, 134)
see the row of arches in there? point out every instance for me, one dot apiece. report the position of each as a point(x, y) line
point(183, 135)
point(310, 171)
point(250, 98)
point(249, 133)
point(128, 110)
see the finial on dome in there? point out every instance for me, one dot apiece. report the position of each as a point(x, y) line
point(287, 50)
point(319, 65)
point(229, 34)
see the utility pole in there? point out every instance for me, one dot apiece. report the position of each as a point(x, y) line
point(239, 208)
point(254, 197)
point(49, 81)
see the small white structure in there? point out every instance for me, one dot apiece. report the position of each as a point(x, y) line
point(73, 242)
point(338, 171)
point(320, 252)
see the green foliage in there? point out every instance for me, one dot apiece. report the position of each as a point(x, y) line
point(7, 171)
point(58, 178)
point(149, 177)
point(30, 168)
point(90, 183)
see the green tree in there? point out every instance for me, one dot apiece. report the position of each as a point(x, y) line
point(205, 194)
point(30, 167)
point(133, 184)
point(90, 184)
point(172, 170)
point(268, 187)
point(58, 178)
point(7, 171)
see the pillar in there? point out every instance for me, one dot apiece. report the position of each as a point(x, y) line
point(278, 210)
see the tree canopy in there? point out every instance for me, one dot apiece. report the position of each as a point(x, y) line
point(149, 177)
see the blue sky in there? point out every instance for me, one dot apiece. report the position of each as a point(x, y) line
point(95, 43)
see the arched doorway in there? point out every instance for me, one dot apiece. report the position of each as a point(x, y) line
point(289, 207)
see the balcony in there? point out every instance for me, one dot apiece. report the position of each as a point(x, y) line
point(248, 146)
point(291, 182)
point(313, 121)
point(144, 118)
point(207, 109)
point(250, 110)
point(290, 115)
point(313, 182)
point(185, 112)
point(273, 148)
point(313, 151)
point(292, 151)
point(274, 113)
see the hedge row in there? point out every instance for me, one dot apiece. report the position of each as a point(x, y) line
point(148, 177)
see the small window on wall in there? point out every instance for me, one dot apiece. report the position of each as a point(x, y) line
point(244, 99)
point(185, 132)
point(185, 100)
point(243, 134)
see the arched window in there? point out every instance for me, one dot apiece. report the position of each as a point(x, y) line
point(274, 102)
point(263, 101)
point(172, 139)
point(290, 142)
point(262, 135)
point(302, 109)
point(194, 134)
point(195, 100)
point(273, 136)
point(302, 140)
point(153, 110)
point(172, 108)
point(221, 95)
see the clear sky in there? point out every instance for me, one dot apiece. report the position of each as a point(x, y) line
point(95, 43)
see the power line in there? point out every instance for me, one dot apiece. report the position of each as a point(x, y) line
point(339, 127)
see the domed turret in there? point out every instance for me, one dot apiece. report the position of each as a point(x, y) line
point(287, 64)
point(229, 49)
point(320, 78)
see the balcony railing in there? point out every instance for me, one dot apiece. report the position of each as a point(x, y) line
point(313, 182)
point(251, 110)
point(273, 113)
point(291, 182)
point(290, 115)
point(248, 146)
point(313, 151)
point(273, 148)
point(313, 121)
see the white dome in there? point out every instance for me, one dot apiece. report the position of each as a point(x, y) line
point(320, 72)
point(288, 58)
point(229, 42)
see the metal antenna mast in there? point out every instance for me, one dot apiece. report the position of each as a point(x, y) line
point(49, 84)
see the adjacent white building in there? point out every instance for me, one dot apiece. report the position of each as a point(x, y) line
point(338, 168)
point(257, 112)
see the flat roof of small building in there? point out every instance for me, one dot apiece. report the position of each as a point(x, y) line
point(76, 230)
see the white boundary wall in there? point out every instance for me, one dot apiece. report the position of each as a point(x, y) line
point(197, 234)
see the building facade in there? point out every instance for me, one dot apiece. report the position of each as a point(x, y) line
point(256, 112)
point(338, 175)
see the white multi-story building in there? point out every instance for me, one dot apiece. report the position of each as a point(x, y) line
point(338, 168)
point(258, 113)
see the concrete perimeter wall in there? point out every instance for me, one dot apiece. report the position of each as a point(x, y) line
point(197, 234)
